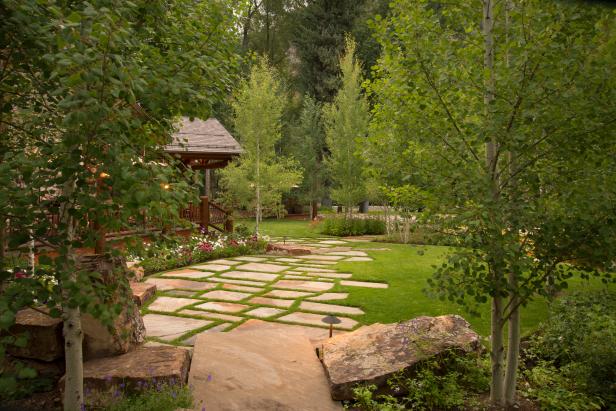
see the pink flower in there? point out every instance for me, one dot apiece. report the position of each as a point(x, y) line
point(206, 247)
point(233, 243)
point(21, 274)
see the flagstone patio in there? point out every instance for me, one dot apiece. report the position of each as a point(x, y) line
point(222, 295)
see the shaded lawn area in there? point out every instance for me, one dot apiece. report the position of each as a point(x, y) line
point(284, 228)
point(406, 271)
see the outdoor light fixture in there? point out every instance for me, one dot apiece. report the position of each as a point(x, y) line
point(103, 175)
point(331, 320)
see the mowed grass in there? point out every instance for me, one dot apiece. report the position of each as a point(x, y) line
point(284, 228)
point(406, 268)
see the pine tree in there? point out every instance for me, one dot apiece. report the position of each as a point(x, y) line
point(346, 127)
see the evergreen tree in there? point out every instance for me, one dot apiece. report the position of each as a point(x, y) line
point(321, 27)
point(307, 142)
point(346, 126)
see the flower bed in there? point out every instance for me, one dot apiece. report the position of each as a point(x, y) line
point(167, 253)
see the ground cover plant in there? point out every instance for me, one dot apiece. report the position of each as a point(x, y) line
point(572, 357)
point(451, 381)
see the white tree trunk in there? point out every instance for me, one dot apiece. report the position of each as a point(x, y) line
point(73, 335)
point(497, 354)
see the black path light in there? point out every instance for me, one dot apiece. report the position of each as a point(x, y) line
point(331, 320)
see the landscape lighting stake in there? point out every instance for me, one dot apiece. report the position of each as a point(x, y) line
point(331, 320)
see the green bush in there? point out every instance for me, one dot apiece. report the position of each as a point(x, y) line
point(448, 382)
point(575, 350)
point(343, 227)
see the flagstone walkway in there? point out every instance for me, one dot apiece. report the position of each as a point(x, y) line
point(240, 292)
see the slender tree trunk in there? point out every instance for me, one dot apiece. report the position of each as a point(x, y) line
point(498, 351)
point(258, 190)
point(513, 349)
point(314, 210)
point(3, 236)
point(73, 335)
point(497, 354)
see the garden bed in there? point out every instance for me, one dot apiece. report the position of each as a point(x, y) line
point(166, 253)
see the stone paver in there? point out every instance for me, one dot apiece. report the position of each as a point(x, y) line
point(142, 292)
point(316, 335)
point(288, 260)
point(242, 288)
point(167, 327)
point(287, 294)
point(330, 275)
point(264, 312)
point(349, 253)
point(271, 301)
point(215, 329)
point(222, 307)
point(333, 242)
point(251, 259)
point(217, 316)
point(295, 277)
point(163, 284)
point(329, 297)
point(188, 274)
point(357, 259)
point(238, 282)
point(258, 370)
point(303, 285)
point(224, 262)
point(314, 269)
point(262, 267)
point(170, 303)
point(225, 295)
point(212, 267)
point(330, 308)
point(315, 319)
point(363, 284)
point(323, 257)
point(249, 275)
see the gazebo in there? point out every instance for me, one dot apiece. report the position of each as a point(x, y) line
point(205, 145)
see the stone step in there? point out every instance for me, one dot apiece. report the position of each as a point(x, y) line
point(130, 372)
point(256, 370)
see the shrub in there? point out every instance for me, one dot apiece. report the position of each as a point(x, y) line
point(343, 227)
point(451, 381)
point(576, 354)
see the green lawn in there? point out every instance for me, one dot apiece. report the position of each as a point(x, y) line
point(406, 272)
point(284, 228)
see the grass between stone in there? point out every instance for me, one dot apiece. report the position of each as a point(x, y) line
point(403, 267)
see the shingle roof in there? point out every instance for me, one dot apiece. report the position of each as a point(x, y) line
point(200, 136)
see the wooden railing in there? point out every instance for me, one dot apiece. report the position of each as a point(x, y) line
point(209, 215)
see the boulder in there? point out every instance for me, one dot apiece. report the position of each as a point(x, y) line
point(133, 371)
point(135, 272)
point(126, 332)
point(142, 292)
point(45, 340)
point(372, 354)
point(289, 249)
point(127, 329)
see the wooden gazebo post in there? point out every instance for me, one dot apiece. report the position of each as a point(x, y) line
point(204, 213)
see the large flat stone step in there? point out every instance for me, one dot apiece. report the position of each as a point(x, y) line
point(256, 370)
